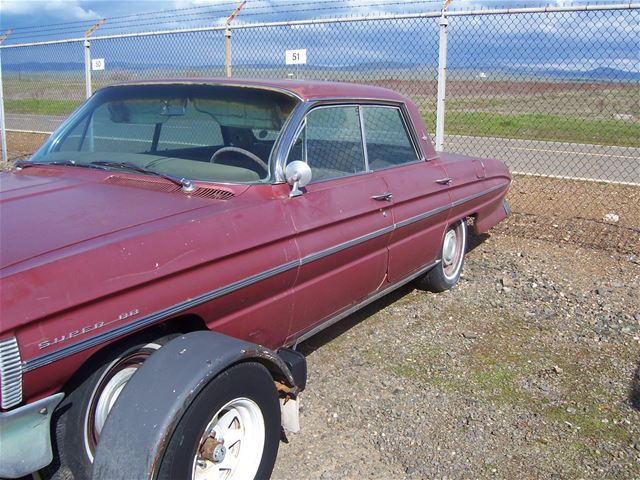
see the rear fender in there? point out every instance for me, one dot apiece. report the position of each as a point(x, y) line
point(491, 216)
point(152, 403)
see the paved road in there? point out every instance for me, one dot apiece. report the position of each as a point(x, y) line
point(32, 122)
point(572, 160)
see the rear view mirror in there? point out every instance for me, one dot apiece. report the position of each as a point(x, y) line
point(298, 175)
point(173, 110)
point(119, 112)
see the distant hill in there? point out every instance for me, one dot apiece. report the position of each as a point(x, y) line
point(37, 67)
point(600, 73)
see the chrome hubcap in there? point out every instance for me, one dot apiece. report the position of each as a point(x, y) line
point(449, 247)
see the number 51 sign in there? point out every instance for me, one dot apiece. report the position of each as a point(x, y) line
point(296, 57)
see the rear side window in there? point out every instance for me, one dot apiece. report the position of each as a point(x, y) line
point(387, 139)
point(331, 142)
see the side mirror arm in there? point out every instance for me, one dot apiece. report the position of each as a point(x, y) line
point(298, 175)
point(295, 189)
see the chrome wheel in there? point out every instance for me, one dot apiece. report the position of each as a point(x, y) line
point(449, 248)
point(107, 391)
point(453, 248)
point(232, 444)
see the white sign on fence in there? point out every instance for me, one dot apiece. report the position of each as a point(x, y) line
point(296, 57)
point(97, 64)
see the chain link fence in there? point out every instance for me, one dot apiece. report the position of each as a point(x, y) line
point(554, 93)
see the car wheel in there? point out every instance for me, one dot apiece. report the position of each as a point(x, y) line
point(84, 410)
point(231, 430)
point(447, 272)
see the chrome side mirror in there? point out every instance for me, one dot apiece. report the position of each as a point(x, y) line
point(298, 175)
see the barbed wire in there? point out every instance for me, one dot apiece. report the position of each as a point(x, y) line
point(208, 13)
point(141, 20)
point(157, 14)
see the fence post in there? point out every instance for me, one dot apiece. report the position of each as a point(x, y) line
point(3, 126)
point(227, 51)
point(227, 39)
point(87, 68)
point(87, 59)
point(442, 81)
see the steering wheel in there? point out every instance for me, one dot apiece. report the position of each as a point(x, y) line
point(241, 151)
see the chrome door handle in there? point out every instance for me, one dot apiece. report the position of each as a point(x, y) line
point(383, 197)
point(445, 181)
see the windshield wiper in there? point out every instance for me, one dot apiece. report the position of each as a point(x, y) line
point(186, 185)
point(66, 163)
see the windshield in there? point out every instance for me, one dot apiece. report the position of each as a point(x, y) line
point(197, 132)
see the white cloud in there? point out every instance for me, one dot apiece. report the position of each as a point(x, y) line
point(65, 9)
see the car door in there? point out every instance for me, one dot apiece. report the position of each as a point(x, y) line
point(342, 231)
point(419, 192)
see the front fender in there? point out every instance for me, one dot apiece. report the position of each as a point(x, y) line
point(152, 403)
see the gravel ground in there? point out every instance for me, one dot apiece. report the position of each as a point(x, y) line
point(529, 368)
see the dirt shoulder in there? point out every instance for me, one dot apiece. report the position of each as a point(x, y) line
point(21, 145)
point(526, 370)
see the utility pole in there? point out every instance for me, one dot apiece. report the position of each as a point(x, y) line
point(87, 58)
point(227, 39)
point(442, 76)
point(3, 126)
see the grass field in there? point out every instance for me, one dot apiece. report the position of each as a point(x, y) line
point(538, 126)
point(41, 106)
point(578, 113)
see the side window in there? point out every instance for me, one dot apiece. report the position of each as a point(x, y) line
point(331, 143)
point(388, 142)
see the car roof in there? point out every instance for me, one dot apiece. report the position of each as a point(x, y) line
point(307, 90)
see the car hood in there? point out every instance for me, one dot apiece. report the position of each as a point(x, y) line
point(42, 212)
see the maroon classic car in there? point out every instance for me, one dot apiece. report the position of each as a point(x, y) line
point(215, 224)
